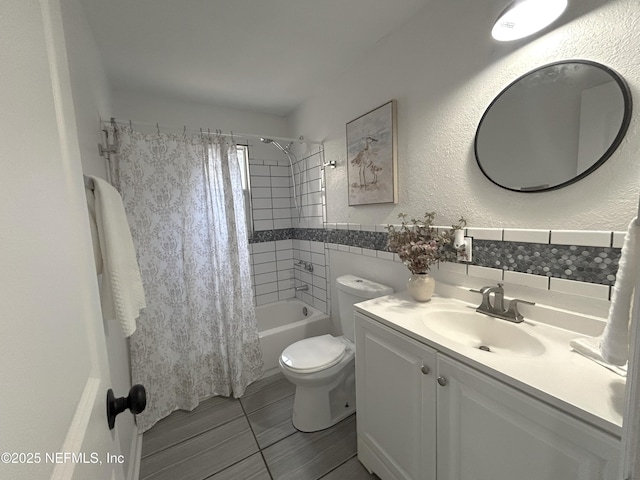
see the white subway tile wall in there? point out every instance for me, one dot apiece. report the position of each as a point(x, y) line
point(525, 235)
point(274, 273)
point(618, 239)
point(485, 233)
point(494, 274)
point(584, 289)
point(271, 194)
point(581, 237)
point(526, 279)
point(310, 192)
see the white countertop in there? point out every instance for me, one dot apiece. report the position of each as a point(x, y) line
point(559, 377)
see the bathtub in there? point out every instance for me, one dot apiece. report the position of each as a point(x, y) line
point(284, 322)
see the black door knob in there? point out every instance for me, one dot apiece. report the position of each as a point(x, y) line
point(136, 401)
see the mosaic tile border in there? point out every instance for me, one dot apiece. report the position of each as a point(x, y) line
point(260, 236)
point(358, 238)
point(571, 262)
point(589, 264)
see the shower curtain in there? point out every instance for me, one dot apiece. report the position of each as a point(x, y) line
point(198, 335)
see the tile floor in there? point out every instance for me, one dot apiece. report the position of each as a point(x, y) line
point(249, 439)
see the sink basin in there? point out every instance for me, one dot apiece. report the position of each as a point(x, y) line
point(486, 333)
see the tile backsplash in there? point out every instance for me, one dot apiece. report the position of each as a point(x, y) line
point(586, 265)
point(580, 268)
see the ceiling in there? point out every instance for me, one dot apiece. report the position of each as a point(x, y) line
point(260, 55)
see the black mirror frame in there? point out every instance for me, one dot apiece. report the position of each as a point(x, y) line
point(626, 120)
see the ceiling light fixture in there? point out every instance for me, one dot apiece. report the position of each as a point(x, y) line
point(526, 17)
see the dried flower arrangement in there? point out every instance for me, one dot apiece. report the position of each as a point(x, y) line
point(419, 245)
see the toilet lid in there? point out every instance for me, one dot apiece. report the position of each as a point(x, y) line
point(313, 354)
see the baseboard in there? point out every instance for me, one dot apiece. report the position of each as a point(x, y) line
point(135, 456)
point(372, 462)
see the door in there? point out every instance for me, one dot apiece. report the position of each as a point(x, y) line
point(53, 367)
point(490, 431)
point(395, 394)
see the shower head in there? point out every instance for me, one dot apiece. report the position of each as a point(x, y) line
point(284, 150)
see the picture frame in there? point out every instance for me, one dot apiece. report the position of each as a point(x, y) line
point(372, 176)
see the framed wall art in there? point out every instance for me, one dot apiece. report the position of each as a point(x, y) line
point(372, 157)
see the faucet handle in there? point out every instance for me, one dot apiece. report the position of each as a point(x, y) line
point(516, 301)
point(481, 291)
point(513, 312)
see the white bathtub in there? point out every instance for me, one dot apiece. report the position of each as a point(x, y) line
point(284, 322)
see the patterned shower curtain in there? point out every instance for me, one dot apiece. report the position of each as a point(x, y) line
point(198, 335)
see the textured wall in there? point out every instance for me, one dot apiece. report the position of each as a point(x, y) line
point(444, 69)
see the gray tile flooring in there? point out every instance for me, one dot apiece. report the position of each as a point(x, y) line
point(249, 439)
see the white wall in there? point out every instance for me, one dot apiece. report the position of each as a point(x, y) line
point(444, 69)
point(89, 85)
point(147, 107)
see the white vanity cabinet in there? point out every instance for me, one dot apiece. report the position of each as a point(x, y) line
point(396, 403)
point(456, 423)
point(489, 430)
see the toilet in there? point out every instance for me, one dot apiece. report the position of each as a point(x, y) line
point(323, 368)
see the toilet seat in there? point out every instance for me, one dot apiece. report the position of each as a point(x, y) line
point(313, 354)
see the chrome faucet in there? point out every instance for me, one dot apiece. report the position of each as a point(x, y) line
point(496, 308)
point(303, 288)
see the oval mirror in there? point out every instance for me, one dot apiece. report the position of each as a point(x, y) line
point(553, 126)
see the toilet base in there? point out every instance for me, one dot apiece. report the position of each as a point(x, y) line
point(317, 407)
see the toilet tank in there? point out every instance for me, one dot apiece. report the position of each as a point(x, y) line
point(352, 290)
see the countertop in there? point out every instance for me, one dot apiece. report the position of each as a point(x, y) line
point(559, 377)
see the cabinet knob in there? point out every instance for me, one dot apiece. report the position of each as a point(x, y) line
point(442, 381)
point(425, 370)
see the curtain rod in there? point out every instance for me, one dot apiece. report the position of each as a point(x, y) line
point(184, 129)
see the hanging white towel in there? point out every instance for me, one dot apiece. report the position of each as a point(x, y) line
point(615, 339)
point(122, 294)
point(590, 348)
point(95, 240)
point(611, 349)
point(631, 421)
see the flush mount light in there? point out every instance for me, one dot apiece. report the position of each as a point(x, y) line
point(525, 17)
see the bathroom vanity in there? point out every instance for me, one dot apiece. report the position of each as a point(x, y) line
point(432, 405)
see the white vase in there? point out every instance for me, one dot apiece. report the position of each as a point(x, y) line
point(421, 286)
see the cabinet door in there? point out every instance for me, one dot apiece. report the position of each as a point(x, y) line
point(395, 397)
point(490, 431)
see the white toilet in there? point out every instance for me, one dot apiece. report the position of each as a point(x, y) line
point(323, 367)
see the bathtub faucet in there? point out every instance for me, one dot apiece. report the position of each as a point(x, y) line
point(303, 288)
point(308, 266)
